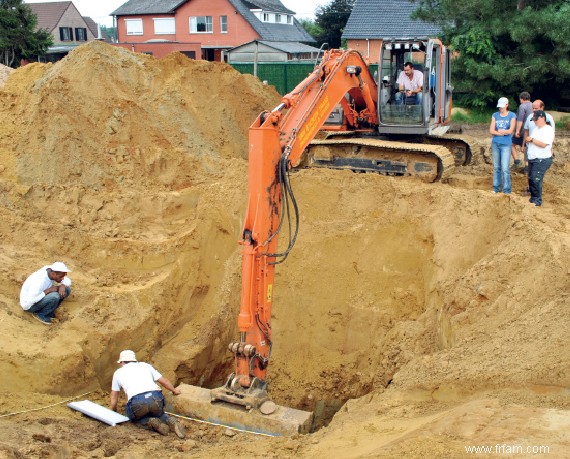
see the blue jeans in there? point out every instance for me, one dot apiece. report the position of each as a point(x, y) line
point(147, 405)
point(48, 304)
point(501, 163)
point(409, 100)
point(536, 170)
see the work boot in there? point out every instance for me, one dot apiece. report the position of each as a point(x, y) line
point(177, 427)
point(158, 426)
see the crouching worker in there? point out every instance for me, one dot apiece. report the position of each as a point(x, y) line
point(145, 403)
point(41, 296)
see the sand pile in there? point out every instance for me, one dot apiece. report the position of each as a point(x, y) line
point(439, 310)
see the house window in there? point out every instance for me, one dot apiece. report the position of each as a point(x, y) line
point(66, 34)
point(80, 34)
point(164, 26)
point(289, 19)
point(265, 17)
point(224, 24)
point(134, 26)
point(201, 24)
point(277, 18)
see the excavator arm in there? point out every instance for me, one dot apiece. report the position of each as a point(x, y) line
point(276, 144)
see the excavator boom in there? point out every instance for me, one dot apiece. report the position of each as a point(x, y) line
point(277, 140)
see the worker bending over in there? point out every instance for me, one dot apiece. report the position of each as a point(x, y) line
point(145, 403)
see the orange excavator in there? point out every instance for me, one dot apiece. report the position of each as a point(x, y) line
point(279, 141)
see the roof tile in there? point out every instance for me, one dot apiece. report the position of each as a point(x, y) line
point(381, 19)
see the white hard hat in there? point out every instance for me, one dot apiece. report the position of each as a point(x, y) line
point(386, 78)
point(127, 356)
point(60, 267)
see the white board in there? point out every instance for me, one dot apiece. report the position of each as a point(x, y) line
point(98, 412)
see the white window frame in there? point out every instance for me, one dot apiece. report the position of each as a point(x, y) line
point(223, 24)
point(266, 17)
point(277, 18)
point(135, 26)
point(164, 26)
point(194, 24)
point(289, 19)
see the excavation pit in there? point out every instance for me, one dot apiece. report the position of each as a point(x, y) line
point(422, 316)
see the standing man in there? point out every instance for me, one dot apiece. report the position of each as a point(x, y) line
point(524, 111)
point(145, 403)
point(539, 151)
point(44, 290)
point(410, 83)
point(529, 125)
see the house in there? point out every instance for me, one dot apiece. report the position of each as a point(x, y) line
point(373, 21)
point(97, 31)
point(204, 29)
point(272, 51)
point(66, 25)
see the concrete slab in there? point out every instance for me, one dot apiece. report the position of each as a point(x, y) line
point(195, 402)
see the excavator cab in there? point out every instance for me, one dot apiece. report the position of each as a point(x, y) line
point(426, 112)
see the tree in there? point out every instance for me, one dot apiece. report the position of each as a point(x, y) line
point(311, 27)
point(331, 20)
point(503, 47)
point(18, 37)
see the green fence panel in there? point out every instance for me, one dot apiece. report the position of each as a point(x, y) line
point(285, 76)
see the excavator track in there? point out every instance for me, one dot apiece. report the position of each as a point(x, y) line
point(462, 147)
point(431, 163)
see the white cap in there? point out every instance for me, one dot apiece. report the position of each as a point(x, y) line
point(60, 267)
point(127, 356)
point(503, 102)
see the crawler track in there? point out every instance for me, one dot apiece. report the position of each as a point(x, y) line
point(462, 147)
point(431, 163)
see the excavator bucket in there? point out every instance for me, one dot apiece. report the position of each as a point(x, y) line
point(270, 419)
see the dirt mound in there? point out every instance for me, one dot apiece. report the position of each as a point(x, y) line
point(438, 311)
point(106, 113)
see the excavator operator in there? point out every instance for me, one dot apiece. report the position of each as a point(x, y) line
point(410, 83)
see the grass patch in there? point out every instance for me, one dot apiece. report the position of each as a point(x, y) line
point(472, 116)
point(562, 123)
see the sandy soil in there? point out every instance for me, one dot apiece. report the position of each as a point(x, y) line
point(428, 317)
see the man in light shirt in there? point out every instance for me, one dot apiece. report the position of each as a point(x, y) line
point(539, 152)
point(410, 83)
point(44, 290)
point(529, 125)
point(145, 405)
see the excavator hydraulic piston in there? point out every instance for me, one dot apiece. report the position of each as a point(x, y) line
point(241, 348)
